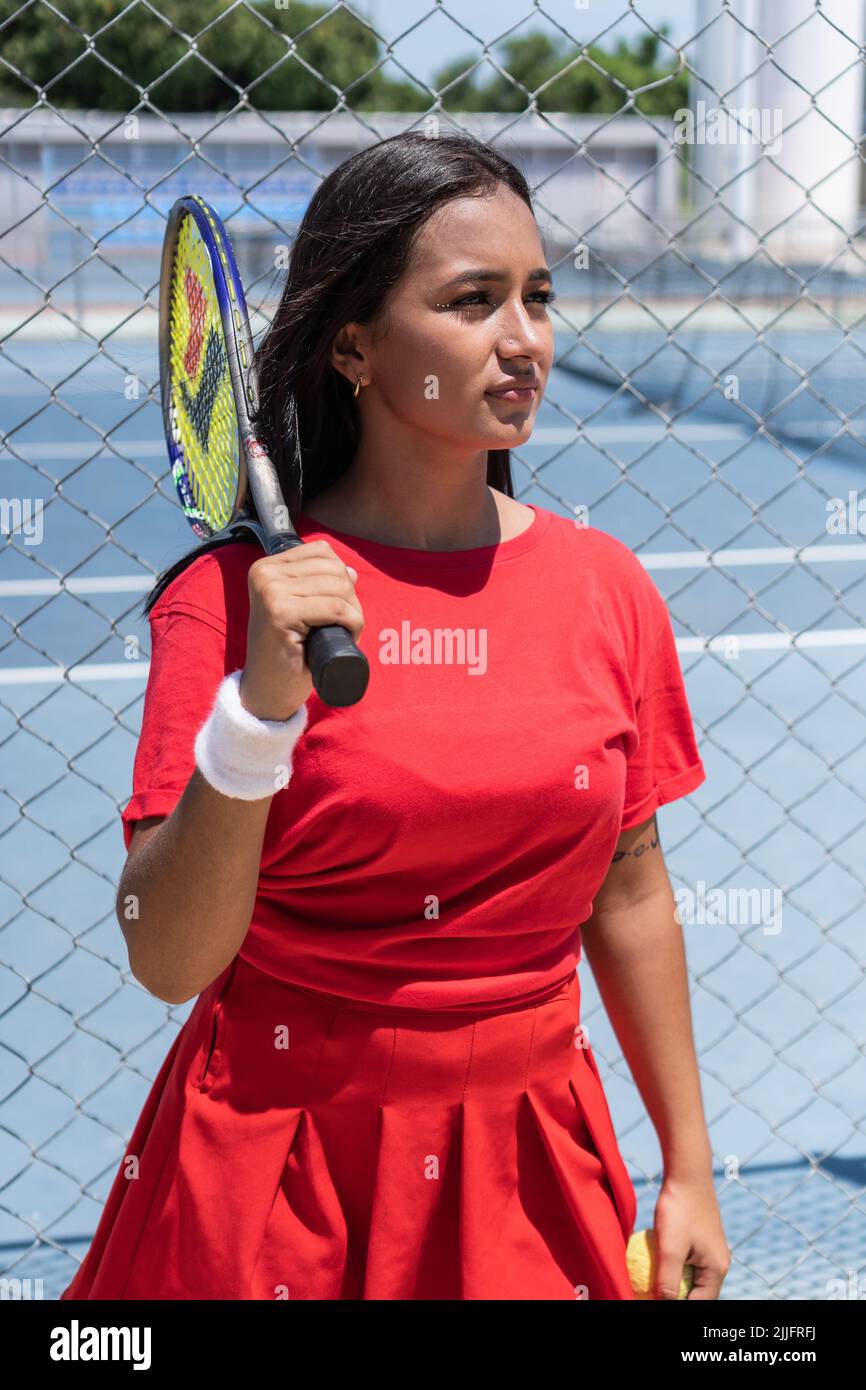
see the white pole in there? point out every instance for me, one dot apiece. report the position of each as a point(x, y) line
point(767, 83)
point(819, 144)
point(718, 64)
point(744, 190)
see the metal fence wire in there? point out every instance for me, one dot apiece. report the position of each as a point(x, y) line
point(706, 406)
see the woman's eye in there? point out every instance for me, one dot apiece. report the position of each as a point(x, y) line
point(480, 297)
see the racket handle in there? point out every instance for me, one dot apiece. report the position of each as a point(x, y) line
point(339, 668)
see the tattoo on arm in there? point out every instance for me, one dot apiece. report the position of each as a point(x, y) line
point(650, 841)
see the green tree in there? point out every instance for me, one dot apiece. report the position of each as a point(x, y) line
point(153, 50)
point(99, 56)
point(567, 79)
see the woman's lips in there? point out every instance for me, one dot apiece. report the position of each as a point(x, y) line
point(514, 393)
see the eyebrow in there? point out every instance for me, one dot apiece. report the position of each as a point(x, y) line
point(473, 276)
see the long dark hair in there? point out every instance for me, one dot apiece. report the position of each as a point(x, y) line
point(352, 247)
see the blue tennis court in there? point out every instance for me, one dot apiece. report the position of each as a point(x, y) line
point(768, 607)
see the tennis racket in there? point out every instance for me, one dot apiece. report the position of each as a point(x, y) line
point(209, 385)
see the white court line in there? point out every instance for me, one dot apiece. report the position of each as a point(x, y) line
point(637, 434)
point(765, 555)
point(605, 434)
point(733, 642)
point(846, 553)
point(556, 434)
point(78, 449)
point(106, 584)
point(773, 641)
point(87, 671)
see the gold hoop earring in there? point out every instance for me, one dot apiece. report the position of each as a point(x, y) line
point(358, 384)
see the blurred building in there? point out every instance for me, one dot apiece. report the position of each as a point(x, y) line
point(72, 187)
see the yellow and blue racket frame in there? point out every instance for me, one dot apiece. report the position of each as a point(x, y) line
point(339, 669)
point(225, 512)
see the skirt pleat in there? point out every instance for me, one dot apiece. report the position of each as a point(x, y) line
point(298, 1146)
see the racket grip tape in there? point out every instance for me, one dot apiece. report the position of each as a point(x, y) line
point(339, 669)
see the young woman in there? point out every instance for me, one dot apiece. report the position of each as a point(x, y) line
point(384, 1090)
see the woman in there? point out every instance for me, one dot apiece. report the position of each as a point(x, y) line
point(384, 1090)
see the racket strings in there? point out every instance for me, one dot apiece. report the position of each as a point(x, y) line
point(202, 411)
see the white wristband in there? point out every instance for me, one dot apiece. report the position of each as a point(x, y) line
point(240, 755)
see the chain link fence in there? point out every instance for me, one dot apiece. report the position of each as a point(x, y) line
point(703, 215)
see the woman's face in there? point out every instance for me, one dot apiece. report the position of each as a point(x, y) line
point(451, 335)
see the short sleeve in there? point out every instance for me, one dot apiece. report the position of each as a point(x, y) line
point(190, 656)
point(665, 763)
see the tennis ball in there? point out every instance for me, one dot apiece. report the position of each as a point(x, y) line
point(641, 1258)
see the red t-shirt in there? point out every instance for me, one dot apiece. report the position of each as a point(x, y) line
point(441, 841)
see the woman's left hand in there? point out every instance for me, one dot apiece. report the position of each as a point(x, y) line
point(688, 1230)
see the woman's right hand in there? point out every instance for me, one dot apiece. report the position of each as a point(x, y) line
point(305, 587)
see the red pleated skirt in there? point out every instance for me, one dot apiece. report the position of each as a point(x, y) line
point(295, 1145)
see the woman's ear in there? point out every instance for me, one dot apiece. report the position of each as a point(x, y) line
point(348, 354)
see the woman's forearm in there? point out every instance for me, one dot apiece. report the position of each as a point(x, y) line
point(637, 955)
point(186, 897)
